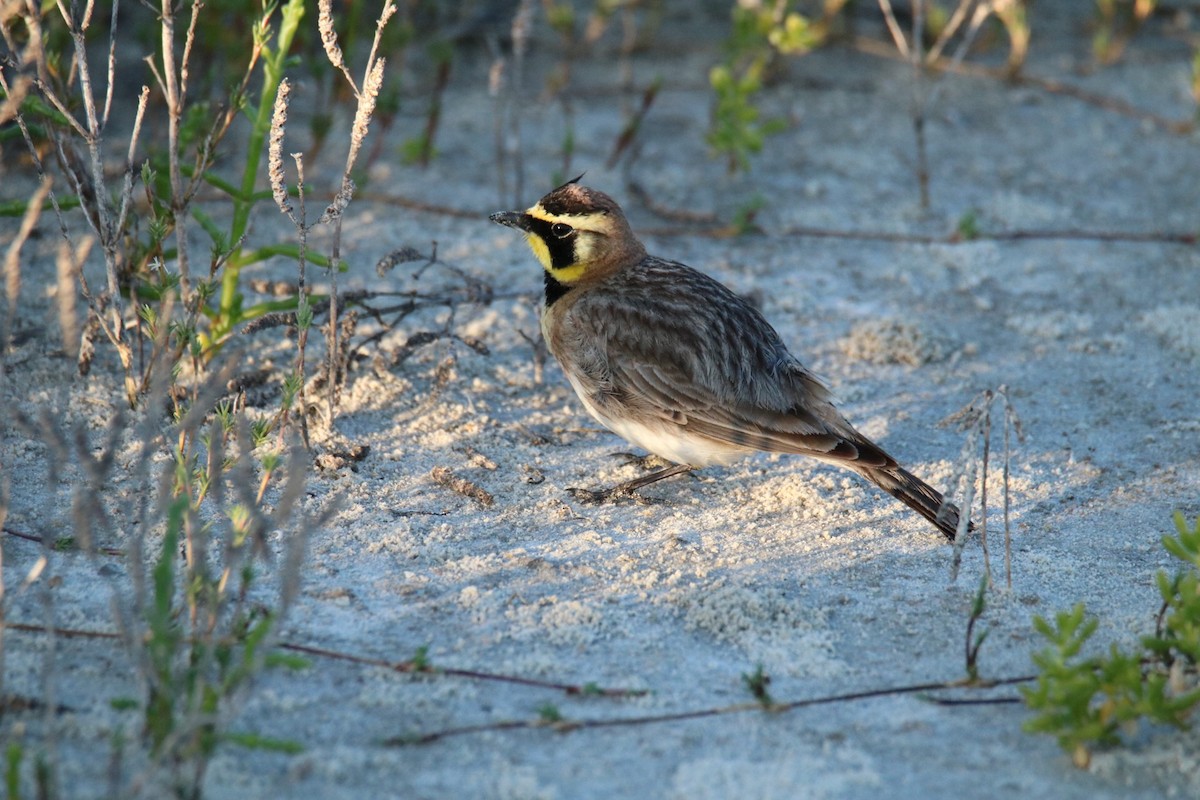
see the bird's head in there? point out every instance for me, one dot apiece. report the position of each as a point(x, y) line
point(576, 233)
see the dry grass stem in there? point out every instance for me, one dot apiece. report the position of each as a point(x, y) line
point(127, 186)
point(302, 304)
point(14, 95)
point(112, 65)
point(975, 419)
point(910, 49)
point(893, 26)
point(35, 157)
point(4, 500)
point(173, 83)
point(69, 265)
point(981, 11)
point(919, 100)
point(389, 10)
point(12, 259)
point(951, 27)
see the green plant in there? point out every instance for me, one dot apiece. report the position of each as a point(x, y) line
point(227, 246)
point(140, 218)
point(273, 46)
point(1088, 701)
point(420, 659)
point(974, 641)
point(758, 33)
point(201, 638)
point(549, 714)
point(197, 613)
point(968, 226)
point(367, 91)
point(1176, 640)
point(1116, 23)
point(14, 754)
point(756, 683)
point(743, 218)
point(12, 770)
point(736, 131)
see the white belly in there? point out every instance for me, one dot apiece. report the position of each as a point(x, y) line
point(665, 439)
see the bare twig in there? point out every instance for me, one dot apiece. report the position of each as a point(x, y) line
point(893, 26)
point(633, 124)
point(569, 725)
point(420, 665)
point(174, 86)
point(112, 67)
point(411, 666)
point(444, 477)
point(715, 229)
point(127, 186)
point(951, 27)
point(498, 83)
point(1012, 424)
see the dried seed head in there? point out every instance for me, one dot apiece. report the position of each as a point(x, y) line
point(366, 107)
point(328, 35)
point(275, 148)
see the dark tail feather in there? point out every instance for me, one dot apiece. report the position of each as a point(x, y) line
point(917, 495)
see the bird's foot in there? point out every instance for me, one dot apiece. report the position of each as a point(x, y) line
point(590, 496)
point(628, 489)
point(595, 497)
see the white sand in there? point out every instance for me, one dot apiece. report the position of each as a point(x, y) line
point(828, 584)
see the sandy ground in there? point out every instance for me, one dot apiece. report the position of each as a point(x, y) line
point(829, 585)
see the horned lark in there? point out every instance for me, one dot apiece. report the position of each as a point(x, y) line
point(674, 362)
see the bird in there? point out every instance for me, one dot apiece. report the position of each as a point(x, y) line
point(676, 363)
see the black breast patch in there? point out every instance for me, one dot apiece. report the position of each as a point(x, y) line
point(554, 289)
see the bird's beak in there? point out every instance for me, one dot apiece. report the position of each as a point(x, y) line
point(511, 219)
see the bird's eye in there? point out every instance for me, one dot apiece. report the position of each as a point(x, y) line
point(561, 230)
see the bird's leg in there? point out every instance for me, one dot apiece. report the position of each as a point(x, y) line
point(646, 462)
point(629, 487)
